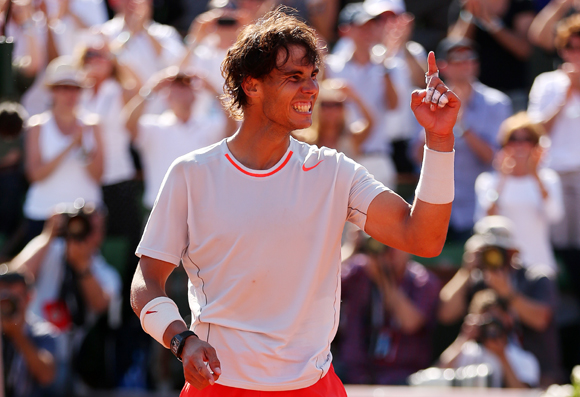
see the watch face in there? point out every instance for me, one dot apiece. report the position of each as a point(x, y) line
point(175, 344)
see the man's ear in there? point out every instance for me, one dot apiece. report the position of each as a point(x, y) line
point(251, 87)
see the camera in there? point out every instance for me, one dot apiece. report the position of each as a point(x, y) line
point(491, 328)
point(77, 225)
point(493, 258)
point(9, 305)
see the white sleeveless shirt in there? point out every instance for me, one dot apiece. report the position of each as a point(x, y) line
point(70, 179)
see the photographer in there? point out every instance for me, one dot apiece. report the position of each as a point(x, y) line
point(28, 343)
point(73, 282)
point(491, 260)
point(388, 315)
point(487, 337)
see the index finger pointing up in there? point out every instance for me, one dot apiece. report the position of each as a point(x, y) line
point(432, 64)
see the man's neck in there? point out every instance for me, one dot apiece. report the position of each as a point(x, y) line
point(258, 148)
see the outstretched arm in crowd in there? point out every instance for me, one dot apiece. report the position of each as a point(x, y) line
point(515, 39)
point(421, 229)
point(543, 27)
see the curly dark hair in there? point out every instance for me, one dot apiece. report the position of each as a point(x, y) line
point(256, 50)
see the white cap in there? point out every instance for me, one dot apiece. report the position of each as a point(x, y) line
point(494, 230)
point(377, 7)
point(62, 71)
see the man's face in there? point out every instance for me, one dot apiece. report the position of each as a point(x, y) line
point(571, 53)
point(181, 92)
point(13, 298)
point(461, 66)
point(287, 95)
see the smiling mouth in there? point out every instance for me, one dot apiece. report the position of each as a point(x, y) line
point(303, 107)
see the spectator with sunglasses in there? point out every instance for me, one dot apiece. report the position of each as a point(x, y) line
point(483, 111)
point(555, 102)
point(522, 191)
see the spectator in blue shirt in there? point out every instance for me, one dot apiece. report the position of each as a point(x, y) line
point(483, 110)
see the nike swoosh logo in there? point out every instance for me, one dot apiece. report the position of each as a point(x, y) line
point(150, 311)
point(304, 168)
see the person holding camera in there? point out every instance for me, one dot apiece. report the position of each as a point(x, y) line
point(388, 314)
point(28, 343)
point(487, 337)
point(73, 283)
point(491, 260)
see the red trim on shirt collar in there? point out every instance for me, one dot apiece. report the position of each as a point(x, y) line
point(260, 175)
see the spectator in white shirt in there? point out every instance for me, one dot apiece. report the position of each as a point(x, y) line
point(555, 102)
point(522, 191)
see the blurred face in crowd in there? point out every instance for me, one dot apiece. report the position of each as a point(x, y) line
point(367, 34)
point(571, 53)
point(395, 262)
point(138, 9)
point(181, 91)
point(65, 96)
point(461, 66)
point(14, 299)
point(97, 63)
point(520, 143)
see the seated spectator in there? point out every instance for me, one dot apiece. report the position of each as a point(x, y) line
point(555, 102)
point(73, 283)
point(519, 190)
point(482, 111)
point(500, 29)
point(28, 343)
point(160, 139)
point(64, 151)
point(13, 118)
point(491, 260)
point(388, 315)
point(487, 337)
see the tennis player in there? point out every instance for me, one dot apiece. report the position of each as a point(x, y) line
point(256, 220)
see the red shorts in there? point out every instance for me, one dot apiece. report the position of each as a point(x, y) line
point(329, 386)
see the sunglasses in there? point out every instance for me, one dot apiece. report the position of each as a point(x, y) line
point(66, 87)
point(95, 55)
point(515, 139)
point(461, 56)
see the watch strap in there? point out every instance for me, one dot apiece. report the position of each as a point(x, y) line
point(178, 341)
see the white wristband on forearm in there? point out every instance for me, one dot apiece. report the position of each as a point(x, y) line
point(436, 183)
point(156, 316)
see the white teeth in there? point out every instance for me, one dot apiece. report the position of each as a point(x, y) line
point(302, 108)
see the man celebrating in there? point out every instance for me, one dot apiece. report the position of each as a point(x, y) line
point(256, 220)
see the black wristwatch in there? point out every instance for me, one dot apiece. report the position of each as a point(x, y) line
point(178, 341)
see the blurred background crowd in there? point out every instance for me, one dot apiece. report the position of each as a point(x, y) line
point(98, 97)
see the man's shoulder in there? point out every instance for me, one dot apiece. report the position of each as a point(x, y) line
point(201, 156)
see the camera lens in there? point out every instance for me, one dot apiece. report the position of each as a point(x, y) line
point(8, 306)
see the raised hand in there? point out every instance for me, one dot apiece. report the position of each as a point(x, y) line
point(435, 108)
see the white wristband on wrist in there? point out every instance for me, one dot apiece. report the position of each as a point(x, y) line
point(436, 183)
point(156, 316)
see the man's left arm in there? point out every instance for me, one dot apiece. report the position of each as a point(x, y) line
point(421, 228)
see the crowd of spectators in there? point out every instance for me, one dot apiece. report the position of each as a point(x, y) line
point(98, 98)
